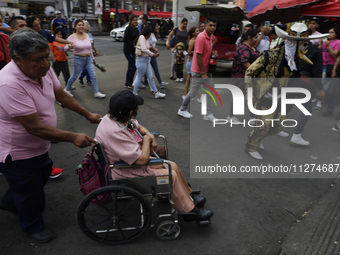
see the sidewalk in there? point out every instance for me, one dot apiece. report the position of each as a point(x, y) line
point(318, 230)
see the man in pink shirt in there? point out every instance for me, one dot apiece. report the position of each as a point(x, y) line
point(200, 67)
point(28, 90)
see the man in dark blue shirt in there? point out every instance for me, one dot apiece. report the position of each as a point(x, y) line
point(59, 22)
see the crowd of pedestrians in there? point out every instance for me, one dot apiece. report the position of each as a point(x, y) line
point(25, 59)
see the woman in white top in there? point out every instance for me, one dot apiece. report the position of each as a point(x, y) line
point(143, 62)
point(153, 62)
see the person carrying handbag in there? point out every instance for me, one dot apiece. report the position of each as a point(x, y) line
point(143, 53)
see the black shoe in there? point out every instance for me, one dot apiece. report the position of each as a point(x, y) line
point(15, 212)
point(43, 236)
point(327, 113)
point(202, 213)
point(199, 200)
point(172, 77)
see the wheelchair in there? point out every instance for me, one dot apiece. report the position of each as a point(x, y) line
point(125, 209)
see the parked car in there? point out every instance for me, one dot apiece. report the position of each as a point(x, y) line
point(228, 16)
point(118, 33)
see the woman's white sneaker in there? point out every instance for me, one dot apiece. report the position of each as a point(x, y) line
point(159, 95)
point(99, 95)
point(184, 114)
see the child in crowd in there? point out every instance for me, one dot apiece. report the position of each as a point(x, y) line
point(60, 64)
point(179, 60)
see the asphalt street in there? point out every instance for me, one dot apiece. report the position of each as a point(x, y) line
point(252, 215)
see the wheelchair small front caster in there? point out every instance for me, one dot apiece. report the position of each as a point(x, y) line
point(166, 231)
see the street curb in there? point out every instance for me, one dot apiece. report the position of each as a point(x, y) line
point(318, 231)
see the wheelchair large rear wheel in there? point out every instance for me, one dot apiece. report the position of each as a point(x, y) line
point(114, 215)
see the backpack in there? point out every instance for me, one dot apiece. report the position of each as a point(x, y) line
point(172, 40)
point(92, 177)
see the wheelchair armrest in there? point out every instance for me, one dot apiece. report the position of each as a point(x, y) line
point(122, 164)
point(156, 134)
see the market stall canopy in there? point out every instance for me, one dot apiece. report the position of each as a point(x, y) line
point(278, 10)
point(327, 8)
point(121, 11)
point(160, 14)
point(137, 13)
point(224, 13)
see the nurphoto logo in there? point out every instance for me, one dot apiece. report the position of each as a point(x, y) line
point(238, 104)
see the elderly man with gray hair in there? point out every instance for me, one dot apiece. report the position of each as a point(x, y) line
point(28, 89)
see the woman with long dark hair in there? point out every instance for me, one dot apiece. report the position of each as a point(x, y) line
point(143, 62)
point(130, 35)
point(153, 41)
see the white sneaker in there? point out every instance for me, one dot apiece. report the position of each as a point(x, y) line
point(255, 155)
point(318, 105)
point(184, 114)
point(178, 79)
point(314, 100)
point(261, 146)
point(181, 79)
point(142, 86)
point(297, 139)
point(199, 100)
point(282, 134)
point(183, 97)
point(68, 92)
point(234, 120)
point(159, 95)
point(99, 95)
point(163, 84)
point(210, 117)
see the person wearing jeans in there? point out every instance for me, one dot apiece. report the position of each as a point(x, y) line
point(143, 62)
point(130, 35)
point(144, 67)
point(83, 57)
point(78, 64)
point(153, 62)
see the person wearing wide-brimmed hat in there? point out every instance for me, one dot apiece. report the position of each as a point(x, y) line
point(283, 63)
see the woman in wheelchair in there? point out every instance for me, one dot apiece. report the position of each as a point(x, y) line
point(121, 143)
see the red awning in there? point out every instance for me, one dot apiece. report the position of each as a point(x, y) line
point(327, 8)
point(278, 10)
point(160, 14)
point(122, 11)
point(137, 13)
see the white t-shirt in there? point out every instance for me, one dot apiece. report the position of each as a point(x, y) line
point(264, 44)
point(153, 40)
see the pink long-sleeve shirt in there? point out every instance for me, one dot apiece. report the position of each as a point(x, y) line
point(145, 46)
point(81, 46)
